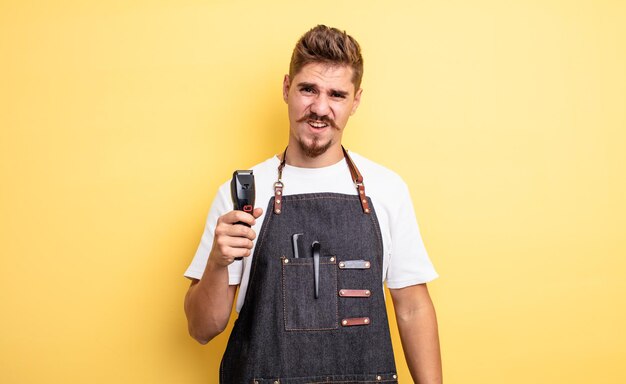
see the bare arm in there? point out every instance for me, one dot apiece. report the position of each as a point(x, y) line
point(417, 324)
point(209, 301)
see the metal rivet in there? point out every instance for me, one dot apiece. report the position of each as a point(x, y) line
point(367, 264)
point(332, 259)
point(361, 192)
point(341, 292)
point(395, 376)
point(344, 322)
point(367, 210)
point(286, 261)
point(367, 293)
point(378, 378)
point(277, 211)
point(279, 193)
point(276, 381)
point(256, 382)
point(278, 201)
point(342, 264)
point(366, 321)
point(364, 201)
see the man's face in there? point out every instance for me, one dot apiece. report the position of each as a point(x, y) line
point(320, 99)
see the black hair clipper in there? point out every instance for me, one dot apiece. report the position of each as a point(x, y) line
point(242, 192)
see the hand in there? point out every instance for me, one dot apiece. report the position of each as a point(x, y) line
point(233, 240)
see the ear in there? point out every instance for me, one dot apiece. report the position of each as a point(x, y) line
point(286, 85)
point(357, 101)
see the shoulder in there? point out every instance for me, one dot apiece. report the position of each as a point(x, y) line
point(376, 176)
point(388, 191)
point(264, 175)
point(268, 166)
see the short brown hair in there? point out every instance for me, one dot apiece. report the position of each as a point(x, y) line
point(331, 46)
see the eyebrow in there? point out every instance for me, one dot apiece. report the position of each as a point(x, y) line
point(305, 84)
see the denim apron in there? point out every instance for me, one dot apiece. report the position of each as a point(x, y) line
point(320, 317)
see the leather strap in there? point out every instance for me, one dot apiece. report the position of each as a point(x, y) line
point(355, 293)
point(357, 178)
point(354, 264)
point(350, 322)
point(278, 186)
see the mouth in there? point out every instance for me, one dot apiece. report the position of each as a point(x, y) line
point(317, 124)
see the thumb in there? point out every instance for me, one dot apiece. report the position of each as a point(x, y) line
point(257, 212)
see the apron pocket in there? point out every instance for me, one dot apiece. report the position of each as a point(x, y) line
point(301, 310)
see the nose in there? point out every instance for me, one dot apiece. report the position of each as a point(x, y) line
point(320, 105)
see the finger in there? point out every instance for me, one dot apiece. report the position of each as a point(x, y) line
point(242, 252)
point(237, 252)
point(235, 230)
point(227, 248)
point(257, 212)
point(237, 242)
point(236, 216)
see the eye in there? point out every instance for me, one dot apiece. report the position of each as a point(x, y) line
point(307, 90)
point(338, 95)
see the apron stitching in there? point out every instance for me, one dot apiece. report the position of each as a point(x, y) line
point(257, 251)
point(350, 197)
point(381, 251)
point(284, 298)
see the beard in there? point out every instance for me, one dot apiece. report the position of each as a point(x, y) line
point(315, 149)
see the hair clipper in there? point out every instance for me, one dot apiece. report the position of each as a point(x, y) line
point(242, 193)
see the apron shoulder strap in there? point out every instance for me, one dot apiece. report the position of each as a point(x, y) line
point(357, 178)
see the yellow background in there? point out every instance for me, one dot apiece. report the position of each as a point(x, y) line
point(119, 119)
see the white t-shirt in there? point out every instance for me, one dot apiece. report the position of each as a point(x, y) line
point(405, 260)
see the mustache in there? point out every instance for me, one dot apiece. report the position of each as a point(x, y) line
point(324, 119)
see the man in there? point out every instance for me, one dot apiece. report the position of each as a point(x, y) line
point(311, 305)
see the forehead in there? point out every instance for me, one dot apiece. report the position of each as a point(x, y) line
point(326, 75)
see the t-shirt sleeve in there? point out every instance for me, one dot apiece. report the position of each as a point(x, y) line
point(221, 204)
point(409, 263)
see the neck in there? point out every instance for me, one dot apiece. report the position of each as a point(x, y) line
point(297, 158)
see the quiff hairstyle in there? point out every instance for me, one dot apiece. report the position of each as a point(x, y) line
point(330, 46)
